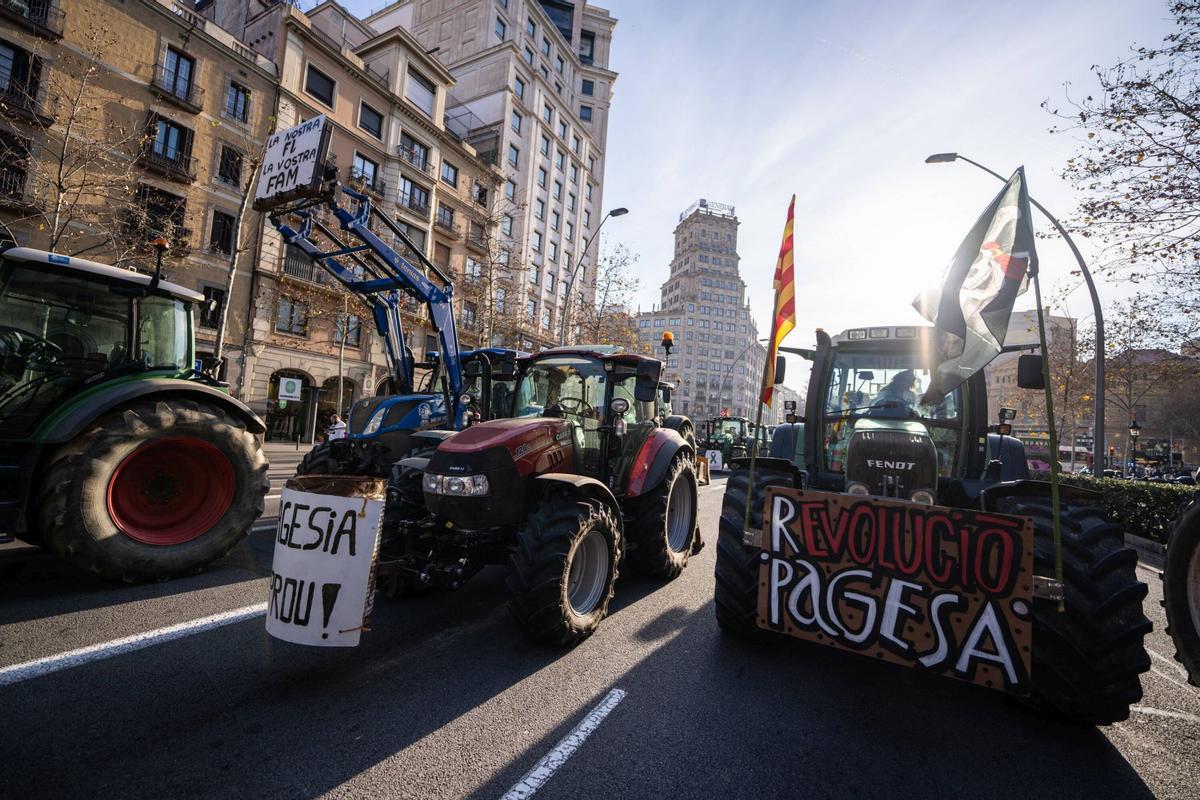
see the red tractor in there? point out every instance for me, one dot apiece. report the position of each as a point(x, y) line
point(582, 476)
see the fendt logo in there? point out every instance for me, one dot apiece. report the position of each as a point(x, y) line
point(871, 462)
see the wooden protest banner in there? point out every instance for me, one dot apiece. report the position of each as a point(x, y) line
point(292, 164)
point(947, 590)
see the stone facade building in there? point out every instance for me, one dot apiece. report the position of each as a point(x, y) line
point(532, 92)
point(165, 111)
point(717, 362)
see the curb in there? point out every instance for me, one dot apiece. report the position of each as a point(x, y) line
point(1149, 552)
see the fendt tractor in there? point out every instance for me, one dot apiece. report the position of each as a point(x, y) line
point(116, 451)
point(580, 477)
point(874, 457)
point(1181, 588)
point(732, 436)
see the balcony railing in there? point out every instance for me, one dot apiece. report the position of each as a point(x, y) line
point(416, 158)
point(22, 102)
point(445, 223)
point(177, 166)
point(15, 190)
point(42, 17)
point(477, 240)
point(170, 87)
point(369, 183)
point(298, 265)
point(415, 204)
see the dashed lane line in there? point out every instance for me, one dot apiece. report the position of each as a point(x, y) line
point(550, 763)
point(29, 670)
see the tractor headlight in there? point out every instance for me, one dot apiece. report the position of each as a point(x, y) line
point(375, 421)
point(857, 488)
point(923, 496)
point(457, 485)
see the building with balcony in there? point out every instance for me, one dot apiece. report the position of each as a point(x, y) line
point(164, 109)
point(385, 98)
point(717, 361)
point(532, 93)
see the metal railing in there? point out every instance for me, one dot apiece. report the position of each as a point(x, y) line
point(43, 15)
point(22, 100)
point(14, 188)
point(419, 160)
point(184, 93)
point(371, 183)
point(177, 166)
point(413, 203)
point(298, 265)
point(445, 221)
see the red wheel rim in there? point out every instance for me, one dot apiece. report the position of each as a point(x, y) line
point(170, 491)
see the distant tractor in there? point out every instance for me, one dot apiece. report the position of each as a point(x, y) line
point(1181, 589)
point(732, 436)
point(582, 477)
point(116, 451)
point(869, 444)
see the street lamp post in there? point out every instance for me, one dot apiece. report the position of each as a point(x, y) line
point(1135, 431)
point(562, 334)
point(1098, 407)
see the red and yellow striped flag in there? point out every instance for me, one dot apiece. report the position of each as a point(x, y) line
point(785, 304)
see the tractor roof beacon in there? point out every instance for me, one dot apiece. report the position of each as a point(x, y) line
point(865, 433)
point(116, 450)
point(583, 475)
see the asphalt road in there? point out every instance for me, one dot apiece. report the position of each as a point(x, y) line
point(445, 698)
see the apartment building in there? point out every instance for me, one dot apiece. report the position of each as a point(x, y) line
point(532, 92)
point(717, 361)
point(121, 122)
point(386, 100)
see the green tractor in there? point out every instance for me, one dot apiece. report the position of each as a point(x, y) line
point(733, 436)
point(116, 452)
point(869, 444)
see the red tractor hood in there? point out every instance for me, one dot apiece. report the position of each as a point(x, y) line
point(536, 444)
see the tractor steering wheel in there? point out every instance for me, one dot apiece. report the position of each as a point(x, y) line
point(22, 343)
point(582, 407)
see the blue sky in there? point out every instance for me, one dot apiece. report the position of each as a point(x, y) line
point(840, 102)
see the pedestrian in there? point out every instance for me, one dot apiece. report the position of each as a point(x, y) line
point(337, 428)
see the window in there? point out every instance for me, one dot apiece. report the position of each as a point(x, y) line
point(558, 190)
point(415, 235)
point(349, 328)
point(541, 177)
point(449, 173)
point(220, 237)
point(576, 144)
point(585, 113)
point(501, 29)
point(539, 208)
point(530, 26)
point(545, 72)
point(441, 255)
point(514, 154)
point(554, 220)
point(420, 92)
point(506, 225)
point(370, 120)
point(414, 196)
point(545, 47)
point(562, 129)
point(589, 87)
point(178, 73)
point(319, 85)
point(445, 216)
point(504, 3)
point(575, 174)
point(587, 192)
point(172, 143)
point(570, 233)
point(474, 269)
point(560, 159)
point(550, 281)
point(210, 311)
point(501, 296)
point(515, 124)
point(546, 318)
point(587, 218)
point(548, 113)
point(531, 310)
point(559, 64)
point(528, 56)
point(519, 88)
point(571, 202)
point(510, 190)
point(291, 316)
point(413, 151)
point(587, 46)
point(468, 317)
point(558, 88)
point(552, 252)
point(545, 145)
point(591, 168)
point(237, 102)
point(537, 241)
point(366, 170)
point(479, 194)
point(229, 170)
point(533, 274)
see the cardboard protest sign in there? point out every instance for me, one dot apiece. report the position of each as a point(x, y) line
point(292, 164)
point(943, 589)
point(323, 573)
point(714, 459)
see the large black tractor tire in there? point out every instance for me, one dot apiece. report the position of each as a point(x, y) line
point(1181, 590)
point(1087, 660)
point(664, 529)
point(736, 595)
point(562, 575)
point(317, 461)
point(160, 489)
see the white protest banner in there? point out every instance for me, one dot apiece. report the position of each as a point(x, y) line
point(290, 162)
point(290, 388)
point(322, 581)
point(714, 459)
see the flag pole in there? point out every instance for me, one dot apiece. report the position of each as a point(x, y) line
point(1054, 498)
point(758, 425)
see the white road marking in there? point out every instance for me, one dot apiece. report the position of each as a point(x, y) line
point(1158, 712)
point(545, 769)
point(1172, 663)
point(97, 652)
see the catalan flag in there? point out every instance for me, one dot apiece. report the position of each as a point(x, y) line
point(785, 304)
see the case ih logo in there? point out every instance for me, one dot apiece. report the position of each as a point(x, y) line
point(872, 462)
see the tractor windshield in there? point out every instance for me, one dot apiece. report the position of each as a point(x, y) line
point(60, 330)
point(732, 427)
point(557, 385)
point(886, 386)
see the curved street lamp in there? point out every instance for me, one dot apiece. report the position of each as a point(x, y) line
point(1098, 406)
point(562, 333)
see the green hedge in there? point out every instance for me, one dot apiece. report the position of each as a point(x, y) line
point(1143, 508)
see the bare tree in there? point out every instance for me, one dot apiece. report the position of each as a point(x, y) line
point(1143, 358)
point(491, 283)
point(604, 318)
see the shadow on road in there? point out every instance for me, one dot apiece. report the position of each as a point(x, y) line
point(710, 716)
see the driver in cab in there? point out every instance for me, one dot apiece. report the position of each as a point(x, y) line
point(898, 398)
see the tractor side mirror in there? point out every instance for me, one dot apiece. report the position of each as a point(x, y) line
point(473, 369)
point(645, 388)
point(789, 405)
point(1029, 372)
point(866, 375)
point(666, 395)
point(780, 369)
